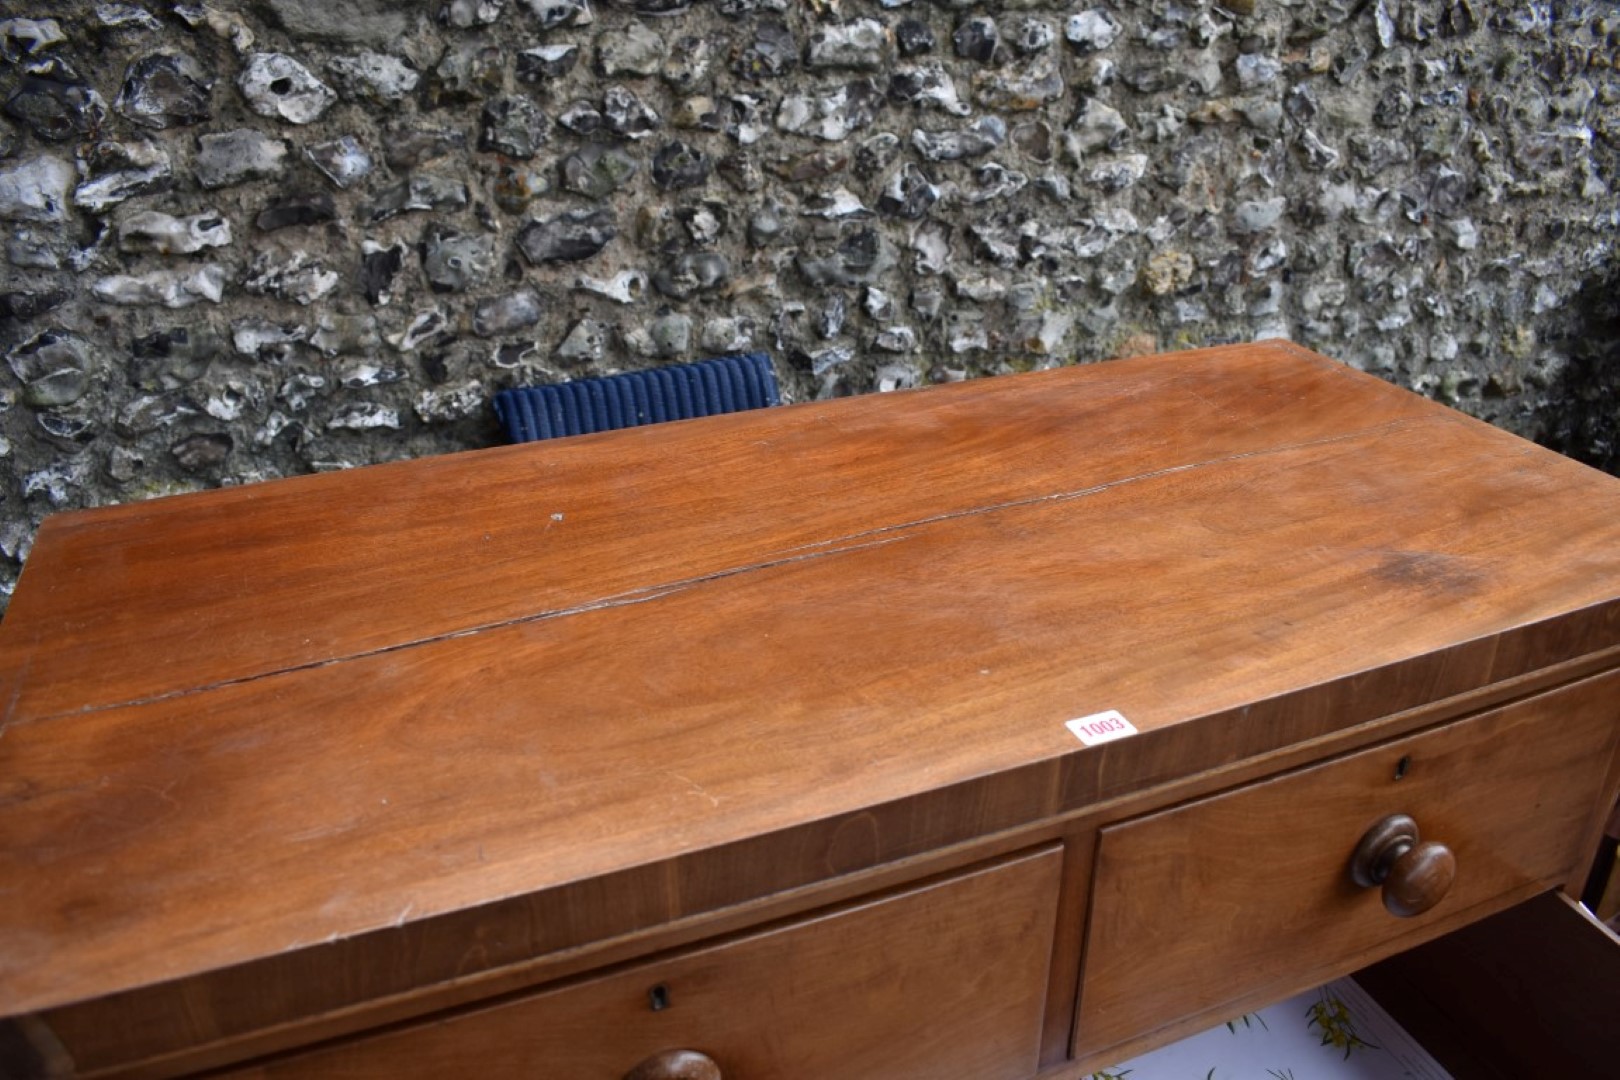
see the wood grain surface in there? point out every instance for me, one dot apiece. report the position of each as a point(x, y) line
point(945, 980)
point(1248, 896)
point(424, 720)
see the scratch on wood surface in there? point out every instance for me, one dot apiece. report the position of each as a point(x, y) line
point(16, 687)
point(697, 788)
point(163, 792)
point(642, 595)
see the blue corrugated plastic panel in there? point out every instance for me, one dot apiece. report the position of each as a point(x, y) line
point(678, 392)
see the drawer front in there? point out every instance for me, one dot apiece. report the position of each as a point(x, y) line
point(1245, 897)
point(947, 979)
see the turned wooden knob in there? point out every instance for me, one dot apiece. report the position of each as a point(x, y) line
point(1415, 873)
point(676, 1065)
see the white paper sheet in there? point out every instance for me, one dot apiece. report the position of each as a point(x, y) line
point(1285, 1042)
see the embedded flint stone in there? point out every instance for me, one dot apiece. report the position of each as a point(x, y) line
point(860, 258)
point(337, 334)
point(1258, 216)
point(1019, 90)
point(834, 116)
point(364, 416)
point(977, 38)
point(908, 195)
point(857, 46)
point(299, 277)
point(343, 160)
point(373, 76)
point(24, 38)
point(279, 87)
point(23, 304)
point(36, 190)
point(234, 157)
point(766, 224)
point(467, 72)
point(379, 266)
point(697, 111)
point(876, 154)
point(453, 261)
point(1097, 126)
point(836, 204)
point(728, 334)
point(670, 335)
point(688, 62)
point(569, 237)
point(814, 165)
point(289, 210)
point(678, 165)
point(253, 336)
point(466, 14)
point(421, 192)
point(1091, 31)
point(552, 14)
point(743, 122)
point(118, 171)
point(149, 230)
point(1031, 35)
point(170, 288)
point(517, 184)
point(654, 8)
point(741, 170)
point(513, 126)
point(172, 358)
point(704, 223)
point(546, 62)
point(992, 181)
point(406, 147)
point(625, 287)
point(505, 314)
point(164, 90)
point(198, 453)
point(1119, 173)
point(597, 171)
point(586, 341)
point(628, 116)
point(693, 274)
point(635, 50)
point(54, 366)
point(769, 54)
point(424, 326)
point(55, 104)
point(928, 85)
point(583, 118)
point(913, 37)
point(451, 404)
point(983, 136)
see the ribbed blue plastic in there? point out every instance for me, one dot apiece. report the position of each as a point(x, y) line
point(678, 392)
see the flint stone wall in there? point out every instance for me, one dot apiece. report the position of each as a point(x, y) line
point(253, 239)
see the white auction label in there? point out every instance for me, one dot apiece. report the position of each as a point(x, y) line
point(1101, 727)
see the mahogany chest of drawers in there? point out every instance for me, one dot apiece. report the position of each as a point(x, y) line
point(743, 747)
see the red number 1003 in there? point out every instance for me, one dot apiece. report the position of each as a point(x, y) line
point(1103, 727)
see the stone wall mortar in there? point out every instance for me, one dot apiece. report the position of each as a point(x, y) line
point(254, 239)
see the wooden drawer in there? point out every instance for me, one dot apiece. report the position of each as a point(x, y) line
point(1207, 909)
point(1528, 992)
point(948, 979)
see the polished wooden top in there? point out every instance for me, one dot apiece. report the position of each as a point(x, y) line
point(246, 723)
